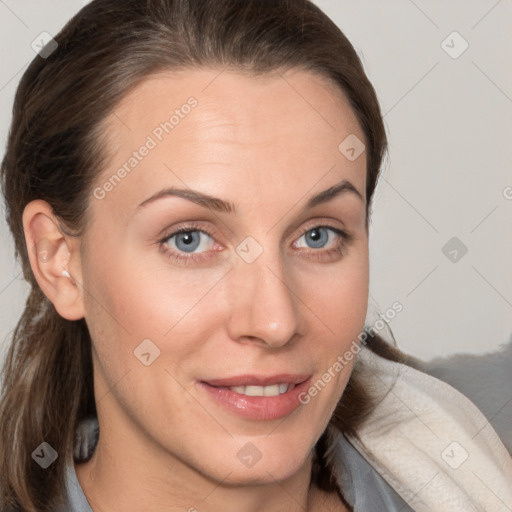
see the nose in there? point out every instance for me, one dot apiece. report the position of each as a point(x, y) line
point(263, 305)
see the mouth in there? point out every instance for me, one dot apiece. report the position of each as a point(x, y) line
point(257, 397)
point(259, 385)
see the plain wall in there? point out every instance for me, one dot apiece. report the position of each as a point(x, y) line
point(449, 120)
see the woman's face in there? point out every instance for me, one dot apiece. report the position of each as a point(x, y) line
point(262, 289)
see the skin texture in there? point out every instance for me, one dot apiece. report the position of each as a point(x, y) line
point(266, 144)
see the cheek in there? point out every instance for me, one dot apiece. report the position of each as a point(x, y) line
point(130, 299)
point(341, 306)
point(339, 298)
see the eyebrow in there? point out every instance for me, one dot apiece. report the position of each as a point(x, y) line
point(221, 206)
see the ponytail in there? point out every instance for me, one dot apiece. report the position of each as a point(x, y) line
point(46, 391)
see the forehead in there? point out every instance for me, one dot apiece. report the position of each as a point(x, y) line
point(204, 127)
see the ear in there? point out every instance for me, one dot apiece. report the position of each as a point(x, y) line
point(54, 258)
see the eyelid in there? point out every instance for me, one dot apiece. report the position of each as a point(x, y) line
point(185, 227)
point(198, 226)
point(329, 224)
point(191, 226)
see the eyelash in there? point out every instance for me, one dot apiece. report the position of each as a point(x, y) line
point(203, 257)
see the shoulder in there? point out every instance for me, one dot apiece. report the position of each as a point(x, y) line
point(430, 443)
point(75, 497)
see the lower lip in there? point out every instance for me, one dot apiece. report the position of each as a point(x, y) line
point(263, 408)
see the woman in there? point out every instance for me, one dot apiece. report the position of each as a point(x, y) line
point(188, 185)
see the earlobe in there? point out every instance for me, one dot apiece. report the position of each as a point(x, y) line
point(54, 258)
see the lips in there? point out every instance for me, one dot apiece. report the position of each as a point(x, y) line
point(257, 397)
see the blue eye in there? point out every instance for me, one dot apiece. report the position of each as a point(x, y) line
point(318, 236)
point(188, 239)
point(190, 244)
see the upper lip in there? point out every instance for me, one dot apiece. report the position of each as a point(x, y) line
point(258, 380)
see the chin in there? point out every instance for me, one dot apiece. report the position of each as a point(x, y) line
point(260, 460)
point(277, 470)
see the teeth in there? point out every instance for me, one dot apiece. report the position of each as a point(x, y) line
point(254, 391)
point(271, 390)
point(274, 390)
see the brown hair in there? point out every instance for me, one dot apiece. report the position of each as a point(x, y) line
point(54, 153)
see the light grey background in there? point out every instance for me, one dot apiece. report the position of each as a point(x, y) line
point(448, 173)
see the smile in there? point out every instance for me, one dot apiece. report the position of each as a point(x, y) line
point(257, 397)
